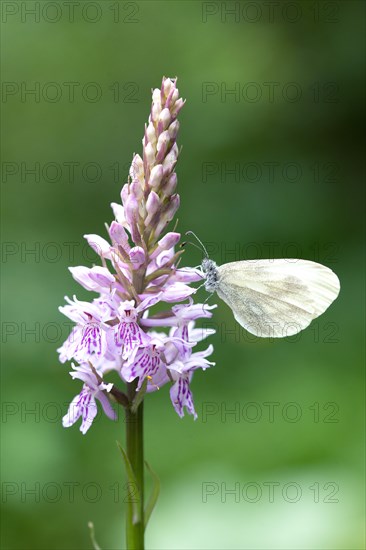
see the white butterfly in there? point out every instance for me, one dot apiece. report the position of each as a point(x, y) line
point(273, 298)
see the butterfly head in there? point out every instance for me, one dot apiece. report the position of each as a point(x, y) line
point(209, 267)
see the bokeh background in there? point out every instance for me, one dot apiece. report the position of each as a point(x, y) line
point(262, 173)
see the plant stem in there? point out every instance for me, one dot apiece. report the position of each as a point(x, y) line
point(135, 453)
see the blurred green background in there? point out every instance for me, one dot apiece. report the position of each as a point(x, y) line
point(260, 174)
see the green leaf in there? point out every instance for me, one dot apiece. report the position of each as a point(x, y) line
point(139, 396)
point(92, 536)
point(132, 479)
point(154, 495)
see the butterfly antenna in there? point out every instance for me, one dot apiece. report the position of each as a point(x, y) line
point(199, 240)
point(192, 244)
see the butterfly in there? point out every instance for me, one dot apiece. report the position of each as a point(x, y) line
point(272, 298)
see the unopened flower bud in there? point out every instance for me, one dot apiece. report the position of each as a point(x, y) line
point(99, 245)
point(150, 133)
point(119, 212)
point(101, 276)
point(175, 96)
point(173, 206)
point(155, 112)
point(165, 244)
point(156, 175)
point(171, 159)
point(124, 193)
point(169, 240)
point(168, 214)
point(137, 256)
point(165, 118)
point(177, 106)
point(162, 145)
point(170, 185)
point(156, 96)
point(152, 205)
point(131, 210)
point(137, 167)
point(119, 235)
point(136, 189)
point(149, 154)
point(93, 278)
point(173, 130)
point(132, 215)
point(167, 85)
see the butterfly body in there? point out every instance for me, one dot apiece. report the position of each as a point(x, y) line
point(210, 268)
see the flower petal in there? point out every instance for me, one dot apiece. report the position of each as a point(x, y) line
point(181, 397)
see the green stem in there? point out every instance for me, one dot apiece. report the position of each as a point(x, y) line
point(135, 453)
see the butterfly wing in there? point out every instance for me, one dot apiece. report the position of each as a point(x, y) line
point(277, 297)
